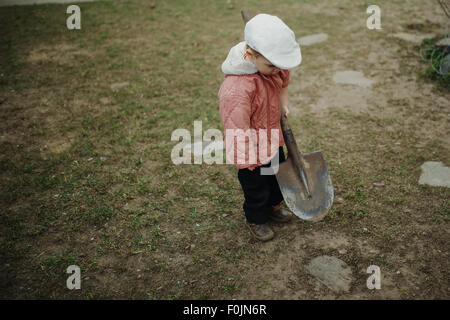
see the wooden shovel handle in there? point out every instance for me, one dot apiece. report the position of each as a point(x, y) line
point(245, 16)
point(294, 154)
point(291, 145)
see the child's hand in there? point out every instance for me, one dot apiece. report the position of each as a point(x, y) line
point(286, 111)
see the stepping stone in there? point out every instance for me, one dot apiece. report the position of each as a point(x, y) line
point(312, 39)
point(352, 77)
point(443, 42)
point(435, 174)
point(117, 86)
point(444, 67)
point(411, 37)
point(105, 100)
point(207, 147)
point(332, 272)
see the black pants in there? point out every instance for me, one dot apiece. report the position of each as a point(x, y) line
point(261, 192)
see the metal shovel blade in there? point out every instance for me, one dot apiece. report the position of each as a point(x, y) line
point(320, 187)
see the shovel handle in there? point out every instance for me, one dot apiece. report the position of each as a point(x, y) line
point(245, 15)
point(293, 152)
point(291, 145)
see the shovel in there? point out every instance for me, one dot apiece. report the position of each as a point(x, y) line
point(303, 178)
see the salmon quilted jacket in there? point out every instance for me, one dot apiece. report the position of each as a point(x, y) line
point(250, 100)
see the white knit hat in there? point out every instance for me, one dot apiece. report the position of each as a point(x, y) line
point(271, 37)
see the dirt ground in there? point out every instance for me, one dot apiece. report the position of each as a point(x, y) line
point(87, 180)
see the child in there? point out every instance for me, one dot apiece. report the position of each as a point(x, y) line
point(256, 80)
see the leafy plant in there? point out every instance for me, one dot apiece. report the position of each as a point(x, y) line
point(438, 59)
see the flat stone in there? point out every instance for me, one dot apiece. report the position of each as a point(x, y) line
point(117, 86)
point(312, 39)
point(105, 100)
point(206, 147)
point(444, 67)
point(5, 3)
point(435, 174)
point(332, 272)
point(352, 77)
point(415, 38)
point(443, 42)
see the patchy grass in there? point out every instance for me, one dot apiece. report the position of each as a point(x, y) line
point(87, 178)
point(435, 56)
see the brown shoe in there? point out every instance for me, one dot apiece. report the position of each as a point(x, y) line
point(262, 232)
point(279, 214)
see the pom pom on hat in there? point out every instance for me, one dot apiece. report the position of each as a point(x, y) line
point(271, 37)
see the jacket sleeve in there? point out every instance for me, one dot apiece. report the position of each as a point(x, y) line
point(235, 99)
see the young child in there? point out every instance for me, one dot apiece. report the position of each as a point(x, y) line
point(250, 98)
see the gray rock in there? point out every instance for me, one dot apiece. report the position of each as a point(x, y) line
point(352, 77)
point(205, 147)
point(105, 100)
point(312, 39)
point(444, 67)
point(332, 272)
point(411, 37)
point(117, 86)
point(435, 174)
point(443, 42)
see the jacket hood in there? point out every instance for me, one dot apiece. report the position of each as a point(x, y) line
point(235, 62)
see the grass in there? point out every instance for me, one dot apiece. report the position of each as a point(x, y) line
point(86, 171)
point(435, 56)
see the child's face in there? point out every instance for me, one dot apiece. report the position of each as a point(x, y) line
point(263, 65)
